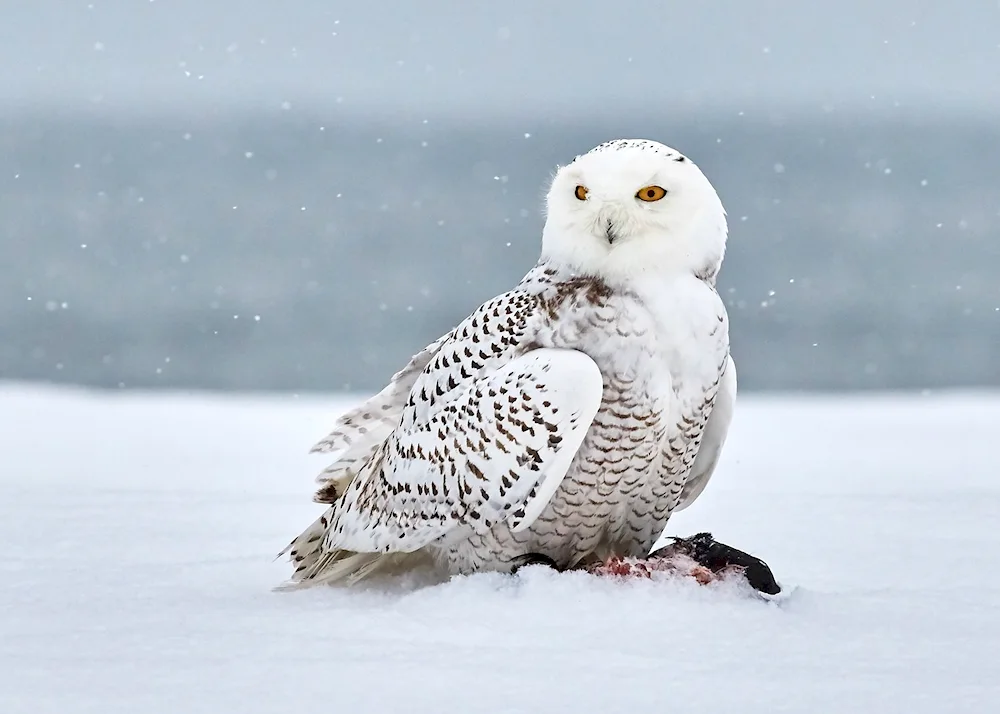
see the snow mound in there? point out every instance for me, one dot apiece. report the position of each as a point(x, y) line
point(139, 535)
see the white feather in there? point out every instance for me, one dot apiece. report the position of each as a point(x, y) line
point(714, 439)
point(512, 433)
point(570, 415)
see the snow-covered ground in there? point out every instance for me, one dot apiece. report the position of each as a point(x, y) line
point(139, 533)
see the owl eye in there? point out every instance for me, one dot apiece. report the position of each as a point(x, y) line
point(581, 193)
point(651, 193)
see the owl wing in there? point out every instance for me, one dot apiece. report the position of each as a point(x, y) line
point(488, 432)
point(713, 439)
point(358, 433)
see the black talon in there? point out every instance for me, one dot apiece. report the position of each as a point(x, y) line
point(706, 551)
point(527, 559)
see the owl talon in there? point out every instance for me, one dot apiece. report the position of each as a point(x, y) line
point(527, 559)
point(716, 556)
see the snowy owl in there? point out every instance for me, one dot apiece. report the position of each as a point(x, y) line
point(562, 421)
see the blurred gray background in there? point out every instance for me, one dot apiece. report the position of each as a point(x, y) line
point(261, 195)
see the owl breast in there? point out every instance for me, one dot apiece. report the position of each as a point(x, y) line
point(610, 500)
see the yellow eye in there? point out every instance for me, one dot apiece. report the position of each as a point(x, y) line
point(651, 193)
point(581, 193)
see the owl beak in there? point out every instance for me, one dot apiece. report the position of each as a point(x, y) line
point(609, 232)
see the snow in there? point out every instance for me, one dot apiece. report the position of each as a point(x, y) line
point(140, 531)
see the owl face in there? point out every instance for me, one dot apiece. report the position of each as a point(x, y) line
point(633, 205)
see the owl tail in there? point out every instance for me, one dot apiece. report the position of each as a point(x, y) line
point(316, 566)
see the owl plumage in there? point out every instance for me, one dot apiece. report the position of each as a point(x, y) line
point(568, 417)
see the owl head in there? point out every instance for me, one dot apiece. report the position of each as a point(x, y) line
point(633, 207)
